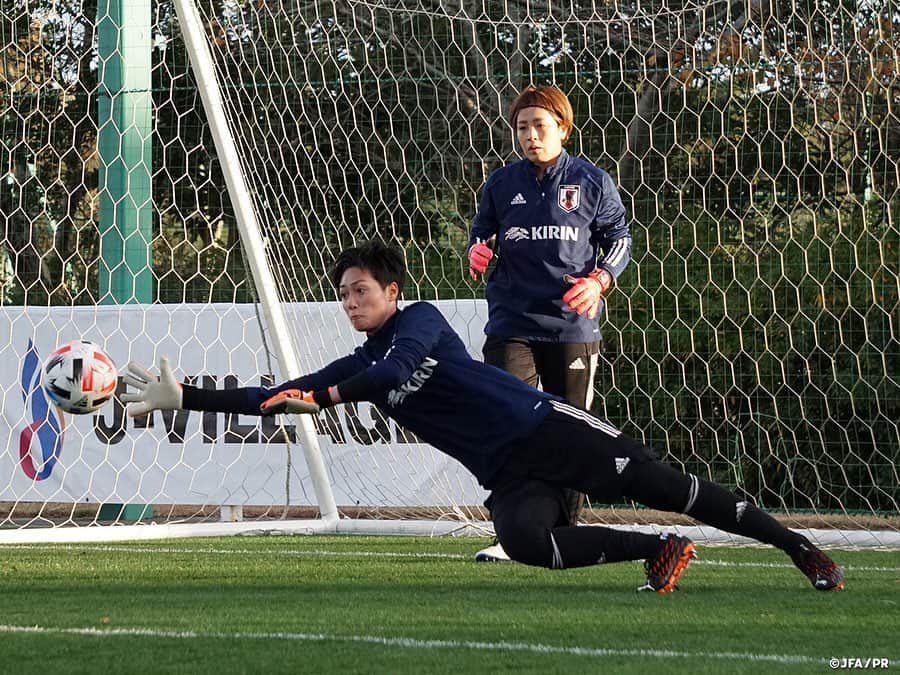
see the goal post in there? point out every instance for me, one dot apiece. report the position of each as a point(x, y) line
point(251, 238)
point(752, 340)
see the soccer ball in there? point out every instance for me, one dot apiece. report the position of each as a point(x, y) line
point(79, 377)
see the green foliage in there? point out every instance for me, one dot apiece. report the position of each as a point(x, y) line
point(764, 354)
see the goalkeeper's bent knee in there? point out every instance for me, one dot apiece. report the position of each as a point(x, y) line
point(526, 544)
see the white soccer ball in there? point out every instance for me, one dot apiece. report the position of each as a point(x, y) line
point(79, 377)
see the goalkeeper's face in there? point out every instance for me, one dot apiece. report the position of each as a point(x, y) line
point(368, 304)
point(540, 135)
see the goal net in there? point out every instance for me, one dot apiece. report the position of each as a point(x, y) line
point(752, 340)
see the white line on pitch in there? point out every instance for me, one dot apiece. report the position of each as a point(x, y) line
point(378, 554)
point(243, 551)
point(412, 643)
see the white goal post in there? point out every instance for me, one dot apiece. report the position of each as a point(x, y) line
point(264, 281)
point(752, 340)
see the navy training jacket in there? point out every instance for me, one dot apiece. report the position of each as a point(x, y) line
point(569, 222)
point(422, 376)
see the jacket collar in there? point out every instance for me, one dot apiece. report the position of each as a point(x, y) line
point(387, 328)
point(561, 163)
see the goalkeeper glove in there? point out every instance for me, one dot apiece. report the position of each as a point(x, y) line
point(584, 296)
point(480, 255)
point(162, 393)
point(292, 401)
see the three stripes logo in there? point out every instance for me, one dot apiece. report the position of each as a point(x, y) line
point(586, 417)
point(577, 364)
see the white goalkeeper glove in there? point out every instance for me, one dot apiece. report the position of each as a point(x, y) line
point(163, 393)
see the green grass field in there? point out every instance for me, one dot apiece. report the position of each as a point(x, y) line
point(326, 604)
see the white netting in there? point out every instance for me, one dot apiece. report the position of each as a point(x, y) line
point(753, 339)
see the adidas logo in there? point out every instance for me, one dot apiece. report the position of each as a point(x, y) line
point(577, 364)
point(739, 511)
point(621, 463)
point(518, 199)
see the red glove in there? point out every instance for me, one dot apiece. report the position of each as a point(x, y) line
point(584, 296)
point(291, 401)
point(480, 255)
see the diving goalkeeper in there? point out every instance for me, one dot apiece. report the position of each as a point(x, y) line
point(522, 444)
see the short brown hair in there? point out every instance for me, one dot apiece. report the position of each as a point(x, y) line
point(548, 97)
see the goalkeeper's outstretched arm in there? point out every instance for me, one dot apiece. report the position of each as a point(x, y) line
point(166, 393)
point(356, 377)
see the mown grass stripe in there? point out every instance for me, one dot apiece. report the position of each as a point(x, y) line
point(380, 554)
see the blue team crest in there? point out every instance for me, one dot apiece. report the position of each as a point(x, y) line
point(569, 197)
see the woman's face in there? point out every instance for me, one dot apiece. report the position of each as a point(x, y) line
point(367, 304)
point(540, 136)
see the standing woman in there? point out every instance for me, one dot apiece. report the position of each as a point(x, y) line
point(556, 226)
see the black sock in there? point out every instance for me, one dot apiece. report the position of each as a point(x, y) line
point(716, 506)
point(661, 486)
point(592, 545)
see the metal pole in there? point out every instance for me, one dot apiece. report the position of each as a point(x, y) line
point(202, 65)
point(125, 147)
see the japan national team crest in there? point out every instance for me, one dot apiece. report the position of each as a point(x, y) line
point(569, 197)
